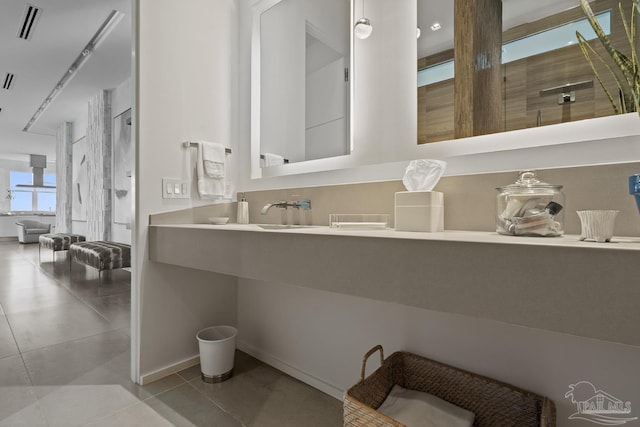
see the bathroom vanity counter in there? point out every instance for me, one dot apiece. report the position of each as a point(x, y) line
point(558, 284)
point(618, 243)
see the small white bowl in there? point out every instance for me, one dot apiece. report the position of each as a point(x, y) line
point(218, 219)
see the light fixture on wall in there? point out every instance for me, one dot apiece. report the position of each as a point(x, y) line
point(418, 32)
point(363, 27)
point(104, 30)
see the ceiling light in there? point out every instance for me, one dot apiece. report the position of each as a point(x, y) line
point(363, 27)
point(435, 26)
point(28, 22)
point(104, 30)
point(8, 81)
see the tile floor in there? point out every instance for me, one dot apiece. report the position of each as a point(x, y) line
point(64, 360)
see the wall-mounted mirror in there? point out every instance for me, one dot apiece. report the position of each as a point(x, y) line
point(300, 84)
point(544, 77)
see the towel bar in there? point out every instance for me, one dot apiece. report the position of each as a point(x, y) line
point(189, 144)
point(262, 158)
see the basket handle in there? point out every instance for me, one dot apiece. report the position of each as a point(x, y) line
point(367, 355)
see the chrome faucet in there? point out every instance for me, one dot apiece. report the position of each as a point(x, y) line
point(302, 204)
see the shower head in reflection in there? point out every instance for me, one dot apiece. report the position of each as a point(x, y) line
point(363, 27)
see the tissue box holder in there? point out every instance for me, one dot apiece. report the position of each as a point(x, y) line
point(419, 211)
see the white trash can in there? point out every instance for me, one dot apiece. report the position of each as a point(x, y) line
point(217, 350)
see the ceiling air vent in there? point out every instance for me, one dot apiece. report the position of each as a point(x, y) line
point(8, 81)
point(28, 22)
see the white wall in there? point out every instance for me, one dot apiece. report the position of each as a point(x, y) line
point(186, 90)
point(121, 101)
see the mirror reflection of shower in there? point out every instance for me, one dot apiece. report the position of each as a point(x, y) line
point(545, 77)
point(327, 93)
point(304, 81)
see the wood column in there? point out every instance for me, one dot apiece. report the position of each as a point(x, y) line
point(99, 167)
point(64, 177)
point(478, 68)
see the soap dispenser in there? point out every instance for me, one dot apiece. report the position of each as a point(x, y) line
point(243, 209)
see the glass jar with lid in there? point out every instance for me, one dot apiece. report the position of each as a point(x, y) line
point(530, 207)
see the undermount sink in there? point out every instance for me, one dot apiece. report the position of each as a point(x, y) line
point(281, 226)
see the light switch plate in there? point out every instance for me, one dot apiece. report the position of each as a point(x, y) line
point(175, 188)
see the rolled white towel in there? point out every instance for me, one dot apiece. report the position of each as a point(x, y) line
point(271, 159)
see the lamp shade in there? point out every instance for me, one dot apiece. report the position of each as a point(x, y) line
point(363, 28)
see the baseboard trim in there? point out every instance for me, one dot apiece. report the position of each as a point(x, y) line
point(9, 239)
point(169, 370)
point(294, 371)
point(267, 358)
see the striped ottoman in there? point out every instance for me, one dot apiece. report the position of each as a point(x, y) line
point(58, 242)
point(101, 255)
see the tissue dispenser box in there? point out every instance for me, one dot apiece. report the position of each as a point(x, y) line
point(419, 211)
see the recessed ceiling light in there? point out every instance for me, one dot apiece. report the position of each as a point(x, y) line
point(435, 26)
point(8, 81)
point(28, 22)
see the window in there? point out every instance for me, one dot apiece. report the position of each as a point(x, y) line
point(32, 199)
point(534, 44)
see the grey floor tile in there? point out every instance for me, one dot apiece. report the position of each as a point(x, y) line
point(191, 373)
point(184, 406)
point(93, 288)
point(34, 298)
point(258, 395)
point(77, 405)
point(30, 416)
point(102, 359)
point(68, 362)
point(50, 326)
point(138, 415)
point(8, 346)
point(17, 399)
point(27, 278)
point(115, 308)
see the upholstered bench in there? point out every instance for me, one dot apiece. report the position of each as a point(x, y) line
point(58, 242)
point(101, 255)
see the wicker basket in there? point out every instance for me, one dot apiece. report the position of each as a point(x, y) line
point(494, 404)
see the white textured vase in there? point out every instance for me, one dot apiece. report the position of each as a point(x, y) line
point(597, 225)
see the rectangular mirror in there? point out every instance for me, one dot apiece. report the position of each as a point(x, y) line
point(545, 78)
point(300, 82)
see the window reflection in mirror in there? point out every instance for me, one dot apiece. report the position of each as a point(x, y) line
point(545, 77)
point(304, 85)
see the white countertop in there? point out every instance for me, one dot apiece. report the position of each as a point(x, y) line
point(573, 241)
